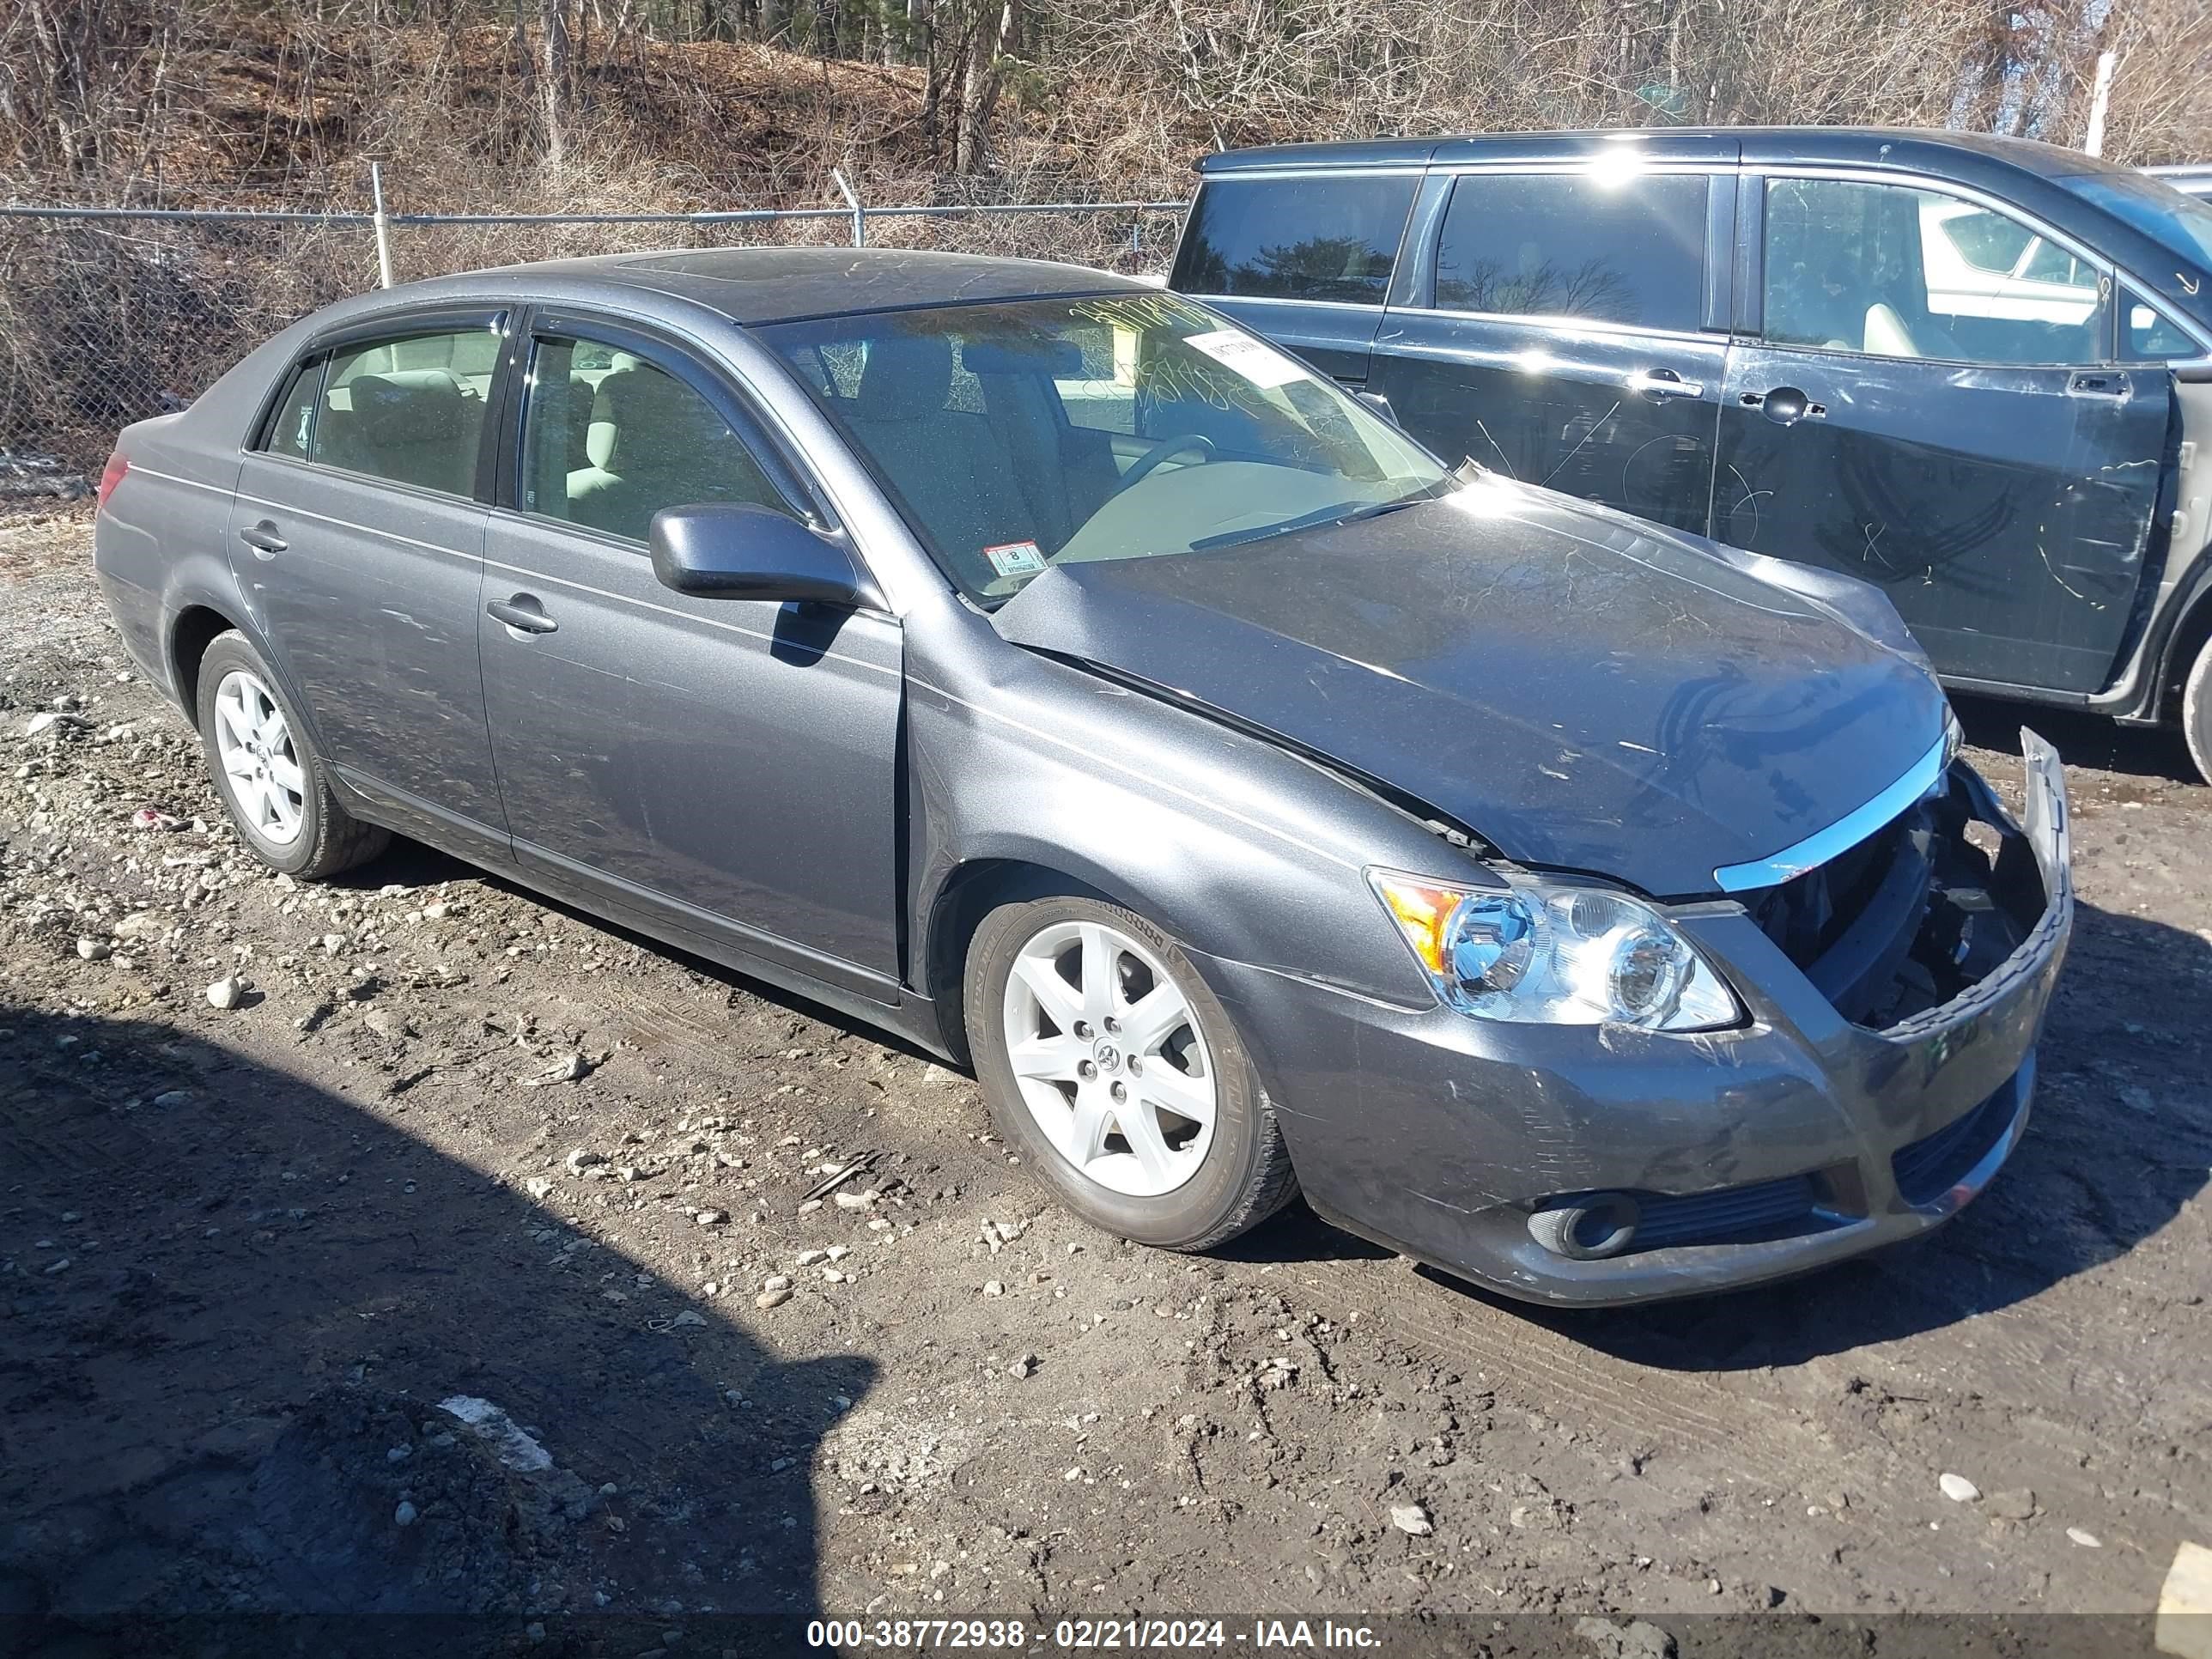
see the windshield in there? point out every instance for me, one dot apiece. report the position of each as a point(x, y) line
point(2180, 223)
point(1117, 427)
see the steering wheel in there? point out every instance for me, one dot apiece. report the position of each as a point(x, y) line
point(1161, 451)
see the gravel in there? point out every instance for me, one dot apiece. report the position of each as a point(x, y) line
point(297, 1229)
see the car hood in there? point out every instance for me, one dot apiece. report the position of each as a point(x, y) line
point(1584, 692)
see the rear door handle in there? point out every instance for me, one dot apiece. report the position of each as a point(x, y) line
point(1661, 384)
point(523, 613)
point(2113, 387)
point(263, 540)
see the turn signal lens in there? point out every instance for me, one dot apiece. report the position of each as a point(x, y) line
point(1420, 913)
point(1554, 954)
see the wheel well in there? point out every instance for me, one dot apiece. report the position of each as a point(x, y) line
point(970, 893)
point(196, 628)
point(2190, 634)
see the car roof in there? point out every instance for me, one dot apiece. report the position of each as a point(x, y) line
point(781, 284)
point(1866, 146)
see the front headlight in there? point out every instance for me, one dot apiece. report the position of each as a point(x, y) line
point(1555, 954)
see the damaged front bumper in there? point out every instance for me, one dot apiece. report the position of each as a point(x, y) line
point(1600, 1164)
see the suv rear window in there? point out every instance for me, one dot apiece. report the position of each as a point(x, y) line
point(1294, 238)
point(1629, 251)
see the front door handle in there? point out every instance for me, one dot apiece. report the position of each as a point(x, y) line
point(2111, 387)
point(1785, 405)
point(1661, 384)
point(263, 540)
point(523, 613)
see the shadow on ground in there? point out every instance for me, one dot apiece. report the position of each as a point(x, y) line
point(231, 1303)
point(2118, 1142)
point(2081, 738)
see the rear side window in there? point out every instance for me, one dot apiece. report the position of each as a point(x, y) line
point(292, 423)
point(409, 408)
point(1294, 239)
point(1630, 251)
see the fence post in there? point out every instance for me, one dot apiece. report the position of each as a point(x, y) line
point(383, 224)
point(852, 201)
point(2100, 96)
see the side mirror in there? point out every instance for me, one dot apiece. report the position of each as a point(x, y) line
point(737, 551)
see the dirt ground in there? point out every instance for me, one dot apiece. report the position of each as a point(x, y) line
point(458, 1145)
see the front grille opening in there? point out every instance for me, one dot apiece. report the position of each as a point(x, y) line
point(1918, 913)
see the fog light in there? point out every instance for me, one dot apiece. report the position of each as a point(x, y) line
point(1588, 1229)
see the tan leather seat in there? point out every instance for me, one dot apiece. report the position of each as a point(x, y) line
point(1886, 335)
point(653, 443)
point(414, 426)
point(949, 464)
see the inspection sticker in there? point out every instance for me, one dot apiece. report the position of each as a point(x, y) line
point(1015, 558)
point(1259, 363)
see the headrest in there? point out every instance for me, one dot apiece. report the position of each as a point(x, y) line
point(905, 375)
point(642, 419)
point(408, 406)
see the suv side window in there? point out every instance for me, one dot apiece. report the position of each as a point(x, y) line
point(409, 407)
point(1294, 239)
point(1576, 245)
point(609, 438)
point(1892, 270)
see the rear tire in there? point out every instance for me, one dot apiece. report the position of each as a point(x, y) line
point(1128, 1034)
point(273, 784)
point(2197, 711)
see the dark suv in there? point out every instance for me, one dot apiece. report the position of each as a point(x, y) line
point(1977, 371)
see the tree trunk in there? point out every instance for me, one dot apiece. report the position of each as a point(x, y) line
point(933, 77)
point(553, 76)
point(979, 87)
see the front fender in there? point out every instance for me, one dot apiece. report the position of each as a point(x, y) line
point(1238, 848)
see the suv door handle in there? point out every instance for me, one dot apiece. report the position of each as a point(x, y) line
point(263, 540)
point(1785, 405)
point(522, 613)
point(2111, 387)
point(1661, 384)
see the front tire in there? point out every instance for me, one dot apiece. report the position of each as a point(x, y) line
point(272, 782)
point(1106, 1061)
point(2196, 711)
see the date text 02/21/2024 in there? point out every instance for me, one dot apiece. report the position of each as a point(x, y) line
point(1138, 1634)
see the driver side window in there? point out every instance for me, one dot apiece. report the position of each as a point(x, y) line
point(609, 438)
point(1891, 271)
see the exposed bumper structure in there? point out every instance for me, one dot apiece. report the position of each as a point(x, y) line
point(1589, 1165)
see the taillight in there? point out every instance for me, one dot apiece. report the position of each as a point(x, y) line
point(112, 475)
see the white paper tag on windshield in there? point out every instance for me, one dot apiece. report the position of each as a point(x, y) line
point(1015, 558)
point(1258, 362)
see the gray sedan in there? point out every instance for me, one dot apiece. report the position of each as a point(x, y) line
point(1040, 668)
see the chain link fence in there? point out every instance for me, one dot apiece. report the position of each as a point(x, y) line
point(108, 316)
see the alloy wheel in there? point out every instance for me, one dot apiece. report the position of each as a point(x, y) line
point(1107, 1052)
point(253, 744)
